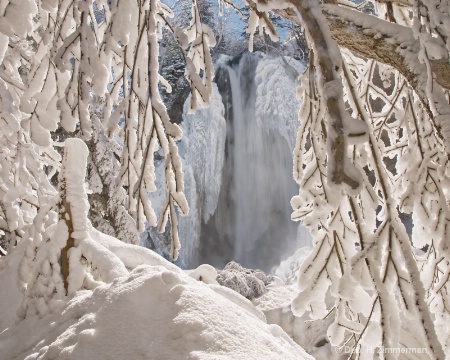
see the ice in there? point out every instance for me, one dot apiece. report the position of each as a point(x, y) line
point(204, 145)
point(263, 183)
point(257, 183)
point(276, 105)
point(202, 149)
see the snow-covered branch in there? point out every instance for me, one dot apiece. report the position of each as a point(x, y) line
point(382, 262)
point(341, 128)
point(394, 45)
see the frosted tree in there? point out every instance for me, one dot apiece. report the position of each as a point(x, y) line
point(393, 135)
point(89, 70)
point(27, 162)
point(72, 60)
point(373, 144)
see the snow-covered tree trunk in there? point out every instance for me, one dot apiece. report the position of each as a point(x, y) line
point(74, 206)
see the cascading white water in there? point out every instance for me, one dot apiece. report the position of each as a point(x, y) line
point(262, 176)
point(252, 224)
point(237, 160)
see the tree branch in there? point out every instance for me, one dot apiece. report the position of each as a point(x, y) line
point(328, 62)
point(391, 44)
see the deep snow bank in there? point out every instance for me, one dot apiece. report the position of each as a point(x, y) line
point(156, 312)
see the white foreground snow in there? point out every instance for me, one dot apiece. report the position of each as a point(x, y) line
point(157, 311)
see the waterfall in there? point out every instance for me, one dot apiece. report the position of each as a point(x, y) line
point(251, 223)
point(237, 161)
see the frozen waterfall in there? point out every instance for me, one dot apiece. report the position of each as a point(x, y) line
point(239, 175)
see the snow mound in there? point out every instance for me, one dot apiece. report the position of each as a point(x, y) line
point(152, 313)
point(311, 335)
point(10, 293)
point(205, 273)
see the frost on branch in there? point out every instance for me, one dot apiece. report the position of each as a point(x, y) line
point(198, 58)
point(108, 211)
point(327, 65)
point(78, 57)
point(419, 54)
point(362, 254)
point(249, 283)
point(61, 257)
point(259, 19)
point(132, 42)
point(73, 61)
point(399, 131)
point(25, 168)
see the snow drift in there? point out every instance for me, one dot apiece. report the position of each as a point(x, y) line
point(155, 312)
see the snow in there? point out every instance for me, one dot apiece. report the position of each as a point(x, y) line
point(288, 268)
point(182, 315)
point(154, 312)
point(10, 295)
point(122, 301)
point(249, 283)
point(203, 146)
point(73, 174)
point(276, 105)
point(202, 150)
point(130, 255)
point(310, 334)
point(4, 40)
point(205, 273)
point(18, 17)
point(107, 263)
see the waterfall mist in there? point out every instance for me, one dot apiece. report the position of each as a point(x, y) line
point(251, 223)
